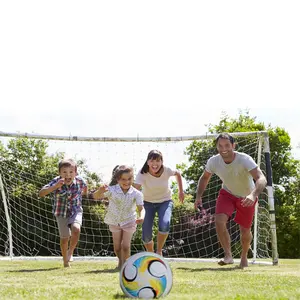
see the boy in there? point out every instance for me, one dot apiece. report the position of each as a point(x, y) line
point(67, 189)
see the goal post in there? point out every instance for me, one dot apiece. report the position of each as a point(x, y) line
point(29, 161)
point(271, 201)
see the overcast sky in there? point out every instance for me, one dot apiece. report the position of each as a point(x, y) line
point(147, 68)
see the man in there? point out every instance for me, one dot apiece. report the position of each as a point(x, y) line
point(239, 193)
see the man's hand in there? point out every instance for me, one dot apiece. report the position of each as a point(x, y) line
point(248, 201)
point(198, 203)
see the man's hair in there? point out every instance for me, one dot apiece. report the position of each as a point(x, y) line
point(67, 162)
point(225, 136)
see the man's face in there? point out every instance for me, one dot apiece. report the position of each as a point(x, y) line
point(225, 148)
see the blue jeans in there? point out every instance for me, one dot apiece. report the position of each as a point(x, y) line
point(164, 210)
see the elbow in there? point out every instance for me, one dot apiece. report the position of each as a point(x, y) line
point(178, 176)
point(265, 182)
point(262, 181)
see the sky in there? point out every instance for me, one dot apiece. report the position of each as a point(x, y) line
point(147, 68)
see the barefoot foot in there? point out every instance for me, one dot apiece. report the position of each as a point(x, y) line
point(226, 261)
point(243, 263)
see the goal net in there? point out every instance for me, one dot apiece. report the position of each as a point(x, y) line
point(28, 162)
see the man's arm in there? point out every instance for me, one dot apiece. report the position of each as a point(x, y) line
point(202, 183)
point(260, 181)
point(260, 184)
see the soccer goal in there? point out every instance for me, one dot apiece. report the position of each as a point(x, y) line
point(29, 161)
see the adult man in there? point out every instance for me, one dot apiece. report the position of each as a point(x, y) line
point(239, 193)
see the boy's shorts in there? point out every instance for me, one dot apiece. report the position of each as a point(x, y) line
point(64, 224)
point(128, 227)
point(228, 203)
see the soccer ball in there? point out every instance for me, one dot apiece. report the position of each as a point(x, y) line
point(146, 275)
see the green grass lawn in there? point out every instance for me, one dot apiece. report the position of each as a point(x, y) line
point(98, 280)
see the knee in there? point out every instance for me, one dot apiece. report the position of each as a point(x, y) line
point(75, 229)
point(220, 223)
point(245, 232)
point(164, 225)
point(164, 228)
point(117, 248)
point(125, 247)
point(64, 240)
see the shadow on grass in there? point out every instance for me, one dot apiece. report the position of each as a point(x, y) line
point(120, 296)
point(235, 268)
point(115, 270)
point(32, 270)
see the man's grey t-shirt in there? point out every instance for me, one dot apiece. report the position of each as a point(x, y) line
point(235, 176)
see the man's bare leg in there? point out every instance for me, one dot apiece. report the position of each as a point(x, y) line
point(224, 238)
point(246, 238)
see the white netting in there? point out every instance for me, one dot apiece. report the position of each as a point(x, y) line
point(34, 230)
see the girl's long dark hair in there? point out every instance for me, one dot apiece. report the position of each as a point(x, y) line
point(153, 154)
point(118, 171)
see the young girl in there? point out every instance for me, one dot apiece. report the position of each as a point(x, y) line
point(121, 214)
point(154, 178)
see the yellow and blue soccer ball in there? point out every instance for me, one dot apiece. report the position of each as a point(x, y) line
point(146, 275)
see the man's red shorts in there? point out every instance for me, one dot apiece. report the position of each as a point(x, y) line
point(228, 203)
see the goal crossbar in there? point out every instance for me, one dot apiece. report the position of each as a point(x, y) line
point(128, 139)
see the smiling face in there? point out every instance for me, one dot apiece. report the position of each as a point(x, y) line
point(125, 181)
point(226, 149)
point(154, 165)
point(68, 174)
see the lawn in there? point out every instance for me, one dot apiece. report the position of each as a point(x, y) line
point(191, 280)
